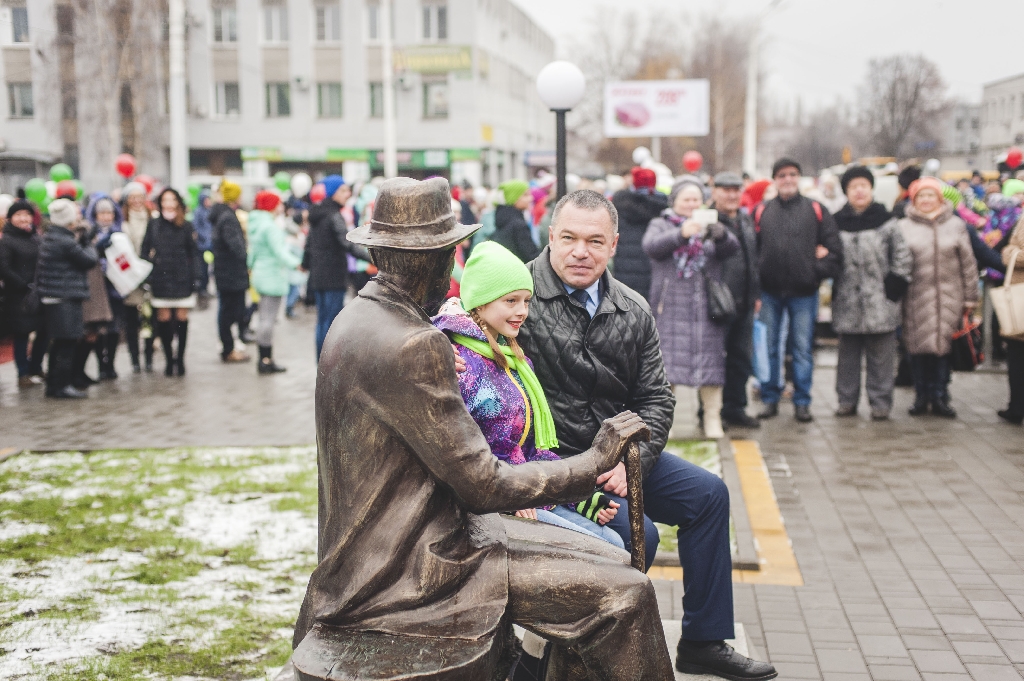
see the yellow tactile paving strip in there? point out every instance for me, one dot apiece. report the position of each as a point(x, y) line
point(774, 549)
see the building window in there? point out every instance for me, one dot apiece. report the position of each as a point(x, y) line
point(435, 99)
point(20, 97)
point(225, 25)
point(328, 97)
point(377, 100)
point(19, 24)
point(275, 23)
point(328, 23)
point(228, 101)
point(279, 100)
point(435, 21)
point(373, 21)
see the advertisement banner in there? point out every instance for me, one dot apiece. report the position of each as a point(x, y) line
point(657, 108)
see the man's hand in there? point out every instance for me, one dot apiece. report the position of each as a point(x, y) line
point(605, 515)
point(460, 363)
point(820, 252)
point(614, 481)
point(530, 513)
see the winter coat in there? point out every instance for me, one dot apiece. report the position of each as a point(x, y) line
point(789, 234)
point(494, 398)
point(873, 248)
point(19, 254)
point(134, 225)
point(692, 345)
point(592, 369)
point(740, 270)
point(1016, 243)
point(636, 210)
point(270, 259)
point(172, 250)
point(227, 242)
point(328, 247)
point(512, 232)
point(64, 260)
point(409, 537)
point(944, 277)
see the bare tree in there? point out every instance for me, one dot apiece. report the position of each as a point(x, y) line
point(818, 143)
point(622, 44)
point(904, 97)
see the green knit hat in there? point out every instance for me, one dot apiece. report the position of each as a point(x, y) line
point(492, 271)
point(513, 189)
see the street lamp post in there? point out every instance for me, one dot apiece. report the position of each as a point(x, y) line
point(560, 85)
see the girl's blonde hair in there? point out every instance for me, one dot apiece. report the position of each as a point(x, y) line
point(492, 340)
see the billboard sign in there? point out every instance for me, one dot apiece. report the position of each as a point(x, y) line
point(657, 108)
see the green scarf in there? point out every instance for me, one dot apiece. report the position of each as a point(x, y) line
point(543, 424)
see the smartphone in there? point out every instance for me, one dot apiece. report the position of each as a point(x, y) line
point(705, 216)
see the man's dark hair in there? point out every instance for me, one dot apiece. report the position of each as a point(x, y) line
point(785, 163)
point(908, 175)
point(587, 199)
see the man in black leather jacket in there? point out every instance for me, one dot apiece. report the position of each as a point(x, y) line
point(596, 351)
point(740, 273)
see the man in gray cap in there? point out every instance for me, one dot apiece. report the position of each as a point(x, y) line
point(740, 273)
point(410, 545)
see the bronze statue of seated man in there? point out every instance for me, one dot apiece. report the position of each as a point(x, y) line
point(411, 546)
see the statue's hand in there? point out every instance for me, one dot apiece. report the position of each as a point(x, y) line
point(615, 435)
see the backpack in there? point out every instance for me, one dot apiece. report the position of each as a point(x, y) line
point(759, 211)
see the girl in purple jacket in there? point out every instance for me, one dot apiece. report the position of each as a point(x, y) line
point(499, 387)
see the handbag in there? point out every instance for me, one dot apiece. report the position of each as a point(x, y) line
point(721, 305)
point(125, 270)
point(1008, 301)
point(966, 351)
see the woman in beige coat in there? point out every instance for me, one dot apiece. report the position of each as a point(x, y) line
point(1014, 413)
point(943, 285)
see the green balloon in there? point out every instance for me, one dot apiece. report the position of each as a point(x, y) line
point(79, 189)
point(61, 171)
point(35, 190)
point(282, 180)
point(191, 201)
point(194, 189)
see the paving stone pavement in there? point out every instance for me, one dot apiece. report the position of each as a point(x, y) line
point(909, 534)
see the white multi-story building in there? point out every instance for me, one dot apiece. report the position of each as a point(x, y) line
point(286, 84)
point(1002, 117)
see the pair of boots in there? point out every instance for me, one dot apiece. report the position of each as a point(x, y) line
point(266, 364)
point(61, 371)
point(106, 348)
point(167, 331)
point(711, 398)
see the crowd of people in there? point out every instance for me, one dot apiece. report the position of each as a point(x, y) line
point(714, 257)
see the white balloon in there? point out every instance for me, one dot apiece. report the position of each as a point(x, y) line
point(51, 189)
point(301, 184)
point(931, 166)
point(640, 155)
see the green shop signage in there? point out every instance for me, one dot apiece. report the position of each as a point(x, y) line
point(417, 158)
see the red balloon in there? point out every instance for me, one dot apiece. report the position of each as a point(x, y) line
point(692, 161)
point(147, 182)
point(318, 193)
point(125, 165)
point(66, 189)
point(1014, 157)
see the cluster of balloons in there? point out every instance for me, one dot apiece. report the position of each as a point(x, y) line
point(61, 185)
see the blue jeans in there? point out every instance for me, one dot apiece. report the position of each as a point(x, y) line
point(328, 305)
point(679, 493)
point(561, 516)
point(293, 297)
point(803, 313)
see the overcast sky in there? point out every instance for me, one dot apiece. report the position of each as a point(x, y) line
point(819, 49)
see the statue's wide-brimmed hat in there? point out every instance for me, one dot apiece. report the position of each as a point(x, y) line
point(413, 215)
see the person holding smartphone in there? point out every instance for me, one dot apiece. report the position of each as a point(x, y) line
point(687, 245)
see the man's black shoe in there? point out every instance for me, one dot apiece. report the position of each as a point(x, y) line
point(1010, 417)
point(720, 659)
point(740, 420)
point(942, 408)
point(68, 393)
point(803, 413)
point(920, 408)
point(770, 411)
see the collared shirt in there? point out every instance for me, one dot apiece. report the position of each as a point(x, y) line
point(593, 296)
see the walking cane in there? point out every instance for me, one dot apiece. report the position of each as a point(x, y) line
point(635, 499)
